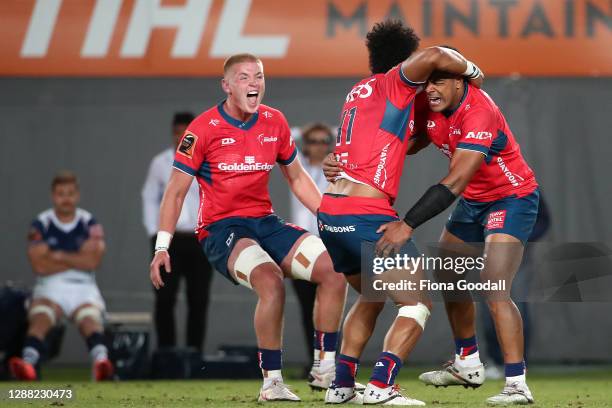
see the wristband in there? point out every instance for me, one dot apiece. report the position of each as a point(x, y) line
point(472, 71)
point(162, 243)
point(435, 200)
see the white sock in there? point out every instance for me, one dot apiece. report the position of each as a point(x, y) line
point(324, 360)
point(99, 352)
point(270, 375)
point(30, 355)
point(521, 379)
point(472, 360)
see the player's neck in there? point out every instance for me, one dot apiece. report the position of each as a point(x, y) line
point(235, 112)
point(65, 218)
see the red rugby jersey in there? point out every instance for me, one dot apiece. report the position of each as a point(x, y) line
point(232, 160)
point(376, 123)
point(478, 124)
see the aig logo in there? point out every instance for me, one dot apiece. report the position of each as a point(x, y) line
point(479, 135)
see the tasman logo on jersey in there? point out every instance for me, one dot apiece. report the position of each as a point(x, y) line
point(431, 124)
point(249, 164)
point(227, 141)
point(381, 167)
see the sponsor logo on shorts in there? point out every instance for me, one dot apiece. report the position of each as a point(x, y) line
point(335, 228)
point(187, 145)
point(229, 239)
point(496, 220)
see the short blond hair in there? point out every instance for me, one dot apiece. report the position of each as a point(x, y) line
point(237, 59)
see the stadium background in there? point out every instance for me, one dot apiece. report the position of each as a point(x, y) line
point(101, 118)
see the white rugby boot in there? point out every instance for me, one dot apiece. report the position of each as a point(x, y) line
point(516, 393)
point(343, 395)
point(277, 390)
point(391, 395)
point(321, 380)
point(452, 374)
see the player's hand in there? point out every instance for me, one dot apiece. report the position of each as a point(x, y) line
point(161, 258)
point(396, 234)
point(331, 168)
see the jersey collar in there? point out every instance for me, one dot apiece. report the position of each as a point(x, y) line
point(449, 112)
point(235, 122)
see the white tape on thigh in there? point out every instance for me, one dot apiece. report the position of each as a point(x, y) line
point(418, 312)
point(88, 311)
point(305, 256)
point(43, 309)
point(249, 259)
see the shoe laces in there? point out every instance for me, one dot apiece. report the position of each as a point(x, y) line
point(512, 388)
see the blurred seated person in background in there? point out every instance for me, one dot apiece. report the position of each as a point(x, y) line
point(66, 245)
point(316, 143)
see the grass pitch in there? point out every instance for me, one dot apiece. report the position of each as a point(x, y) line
point(567, 388)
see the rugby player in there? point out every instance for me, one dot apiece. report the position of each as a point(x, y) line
point(498, 206)
point(231, 149)
point(66, 245)
point(376, 124)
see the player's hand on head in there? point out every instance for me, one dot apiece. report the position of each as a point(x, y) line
point(478, 81)
point(161, 258)
point(331, 168)
point(395, 235)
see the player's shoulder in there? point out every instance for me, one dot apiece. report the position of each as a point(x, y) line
point(207, 120)
point(479, 105)
point(44, 218)
point(271, 115)
point(84, 215)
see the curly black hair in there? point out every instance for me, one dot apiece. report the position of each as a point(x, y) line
point(389, 43)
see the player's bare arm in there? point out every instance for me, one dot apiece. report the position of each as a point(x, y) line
point(302, 185)
point(40, 257)
point(421, 64)
point(169, 212)
point(87, 258)
point(438, 198)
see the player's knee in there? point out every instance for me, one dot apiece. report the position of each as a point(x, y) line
point(88, 314)
point(254, 262)
point(268, 284)
point(311, 254)
point(39, 312)
point(419, 312)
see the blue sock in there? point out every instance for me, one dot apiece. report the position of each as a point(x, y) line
point(34, 350)
point(346, 371)
point(514, 369)
point(325, 341)
point(386, 368)
point(466, 347)
point(270, 359)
